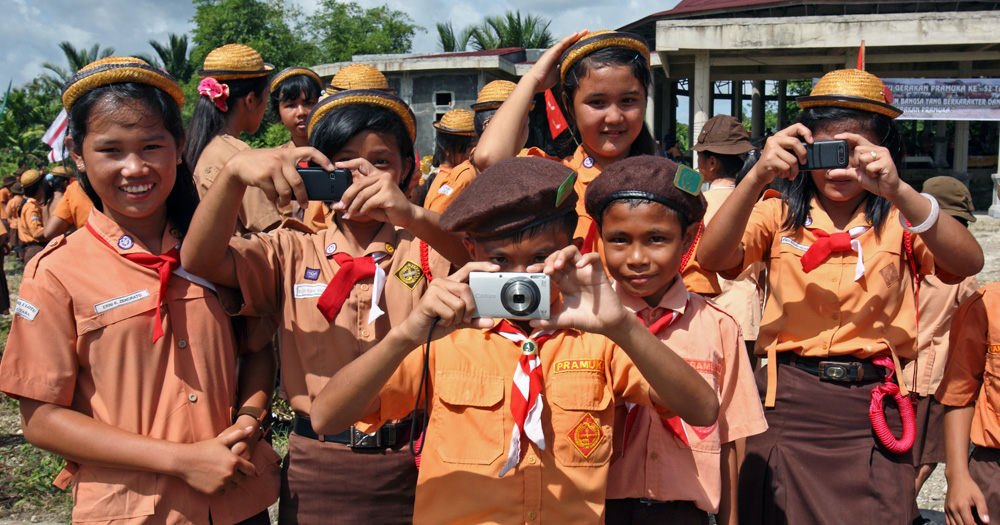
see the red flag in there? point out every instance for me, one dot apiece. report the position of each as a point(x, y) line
point(861, 56)
point(557, 122)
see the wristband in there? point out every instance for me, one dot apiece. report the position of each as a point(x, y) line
point(928, 222)
point(260, 414)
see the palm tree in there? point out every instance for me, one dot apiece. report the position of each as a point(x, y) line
point(511, 30)
point(174, 57)
point(76, 58)
point(449, 40)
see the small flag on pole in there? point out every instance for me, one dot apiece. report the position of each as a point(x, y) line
point(557, 122)
point(3, 108)
point(861, 56)
point(55, 137)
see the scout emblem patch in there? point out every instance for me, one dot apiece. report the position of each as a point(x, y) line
point(565, 189)
point(588, 162)
point(586, 435)
point(331, 248)
point(890, 274)
point(389, 248)
point(688, 180)
point(312, 274)
point(409, 274)
point(125, 242)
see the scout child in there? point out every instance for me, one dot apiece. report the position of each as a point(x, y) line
point(447, 185)
point(294, 92)
point(521, 424)
point(969, 389)
point(937, 302)
point(58, 178)
point(668, 471)
point(840, 312)
point(71, 211)
point(157, 417)
point(12, 209)
point(232, 100)
point(605, 78)
point(30, 216)
point(454, 138)
point(338, 291)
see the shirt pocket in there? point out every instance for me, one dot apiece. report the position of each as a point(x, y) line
point(116, 309)
point(581, 418)
point(991, 381)
point(474, 401)
point(101, 494)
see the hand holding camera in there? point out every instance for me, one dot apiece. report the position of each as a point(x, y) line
point(375, 194)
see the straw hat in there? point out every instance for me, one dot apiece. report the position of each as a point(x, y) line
point(600, 40)
point(457, 122)
point(357, 76)
point(494, 94)
point(371, 97)
point(854, 89)
point(234, 61)
point(62, 171)
point(115, 70)
point(30, 177)
point(290, 72)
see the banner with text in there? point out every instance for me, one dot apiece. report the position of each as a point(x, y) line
point(946, 98)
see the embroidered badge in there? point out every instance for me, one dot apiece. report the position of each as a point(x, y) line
point(993, 349)
point(445, 189)
point(890, 274)
point(312, 274)
point(125, 242)
point(705, 367)
point(25, 309)
point(565, 189)
point(409, 274)
point(579, 365)
point(331, 248)
point(588, 162)
point(305, 291)
point(688, 180)
point(529, 347)
point(111, 304)
point(586, 435)
point(389, 248)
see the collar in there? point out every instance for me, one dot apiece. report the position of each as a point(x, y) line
point(821, 220)
point(675, 299)
point(123, 242)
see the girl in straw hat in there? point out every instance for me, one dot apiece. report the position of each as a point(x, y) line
point(232, 100)
point(455, 138)
point(135, 377)
point(294, 92)
point(339, 291)
point(605, 78)
point(843, 249)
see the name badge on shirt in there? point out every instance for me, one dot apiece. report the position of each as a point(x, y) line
point(25, 309)
point(793, 244)
point(111, 304)
point(304, 291)
point(445, 189)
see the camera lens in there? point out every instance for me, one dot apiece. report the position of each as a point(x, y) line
point(520, 296)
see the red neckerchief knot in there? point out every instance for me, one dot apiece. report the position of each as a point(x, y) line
point(164, 264)
point(352, 270)
point(826, 243)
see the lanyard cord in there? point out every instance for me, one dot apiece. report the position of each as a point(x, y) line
point(425, 387)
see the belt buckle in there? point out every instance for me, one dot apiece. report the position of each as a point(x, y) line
point(841, 371)
point(361, 439)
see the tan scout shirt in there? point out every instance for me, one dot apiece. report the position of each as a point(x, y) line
point(30, 223)
point(468, 435)
point(285, 272)
point(257, 213)
point(658, 465)
point(75, 206)
point(86, 343)
point(938, 301)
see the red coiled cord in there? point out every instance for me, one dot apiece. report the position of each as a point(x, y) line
point(877, 415)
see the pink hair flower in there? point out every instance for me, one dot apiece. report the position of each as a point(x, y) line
point(216, 92)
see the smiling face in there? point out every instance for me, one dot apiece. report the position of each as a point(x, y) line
point(840, 190)
point(295, 115)
point(609, 106)
point(131, 160)
point(644, 246)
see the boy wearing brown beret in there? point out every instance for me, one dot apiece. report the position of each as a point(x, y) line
point(671, 470)
point(523, 413)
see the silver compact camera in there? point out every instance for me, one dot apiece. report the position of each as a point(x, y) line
point(510, 295)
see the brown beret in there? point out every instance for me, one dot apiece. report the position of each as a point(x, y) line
point(642, 177)
point(512, 196)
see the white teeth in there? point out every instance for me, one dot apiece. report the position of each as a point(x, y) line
point(140, 188)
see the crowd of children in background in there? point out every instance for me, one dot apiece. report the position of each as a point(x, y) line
point(147, 343)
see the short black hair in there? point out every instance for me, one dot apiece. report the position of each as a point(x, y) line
point(291, 89)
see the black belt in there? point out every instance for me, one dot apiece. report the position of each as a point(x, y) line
point(391, 434)
point(834, 368)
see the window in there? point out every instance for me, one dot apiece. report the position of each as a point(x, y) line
point(444, 100)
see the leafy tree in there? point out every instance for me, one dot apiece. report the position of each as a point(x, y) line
point(511, 30)
point(30, 110)
point(343, 29)
point(76, 58)
point(450, 41)
point(174, 56)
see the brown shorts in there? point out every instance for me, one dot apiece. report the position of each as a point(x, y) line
point(928, 448)
point(331, 483)
point(984, 467)
point(819, 461)
point(635, 511)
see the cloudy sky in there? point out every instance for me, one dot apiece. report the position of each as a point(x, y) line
point(30, 30)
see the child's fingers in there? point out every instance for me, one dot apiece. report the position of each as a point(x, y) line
point(367, 190)
point(981, 507)
point(295, 184)
point(462, 274)
point(853, 139)
point(308, 153)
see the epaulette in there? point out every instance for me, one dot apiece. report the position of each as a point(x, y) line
point(31, 268)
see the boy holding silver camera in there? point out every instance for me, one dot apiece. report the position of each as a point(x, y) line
point(522, 412)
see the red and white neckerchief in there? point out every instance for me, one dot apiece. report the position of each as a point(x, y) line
point(526, 394)
point(656, 327)
point(352, 270)
point(827, 243)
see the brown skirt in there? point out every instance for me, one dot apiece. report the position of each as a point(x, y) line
point(928, 448)
point(984, 467)
point(330, 483)
point(819, 461)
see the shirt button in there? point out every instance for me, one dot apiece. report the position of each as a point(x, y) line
point(825, 345)
point(532, 515)
point(835, 316)
point(654, 455)
point(364, 333)
point(193, 398)
point(531, 460)
point(364, 287)
point(182, 343)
